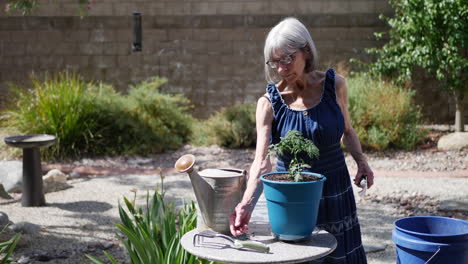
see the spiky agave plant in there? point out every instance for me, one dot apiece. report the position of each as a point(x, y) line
point(7, 247)
point(294, 143)
point(151, 233)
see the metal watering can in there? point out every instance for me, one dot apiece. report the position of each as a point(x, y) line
point(218, 191)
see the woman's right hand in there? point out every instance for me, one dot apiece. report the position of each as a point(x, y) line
point(239, 220)
point(240, 217)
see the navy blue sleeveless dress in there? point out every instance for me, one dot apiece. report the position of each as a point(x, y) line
point(324, 125)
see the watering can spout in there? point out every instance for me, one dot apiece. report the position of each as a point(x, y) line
point(217, 192)
point(185, 163)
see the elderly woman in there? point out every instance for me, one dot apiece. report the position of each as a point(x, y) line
point(299, 97)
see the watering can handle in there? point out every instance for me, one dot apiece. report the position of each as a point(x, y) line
point(244, 172)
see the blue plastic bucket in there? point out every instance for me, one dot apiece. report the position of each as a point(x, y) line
point(431, 240)
point(293, 206)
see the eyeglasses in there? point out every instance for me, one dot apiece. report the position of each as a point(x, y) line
point(286, 60)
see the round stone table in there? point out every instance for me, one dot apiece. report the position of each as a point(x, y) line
point(32, 194)
point(319, 245)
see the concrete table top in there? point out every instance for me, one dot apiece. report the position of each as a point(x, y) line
point(319, 245)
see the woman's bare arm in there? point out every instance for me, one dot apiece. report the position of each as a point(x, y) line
point(350, 138)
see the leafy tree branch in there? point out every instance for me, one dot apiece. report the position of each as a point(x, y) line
point(433, 35)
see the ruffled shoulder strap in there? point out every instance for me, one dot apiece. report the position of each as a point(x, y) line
point(275, 97)
point(330, 87)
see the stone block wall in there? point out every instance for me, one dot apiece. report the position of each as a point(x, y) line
point(209, 50)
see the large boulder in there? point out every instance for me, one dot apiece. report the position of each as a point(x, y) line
point(11, 175)
point(4, 194)
point(453, 141)
point(55, 175)
point(55, 181)
point(25, 228)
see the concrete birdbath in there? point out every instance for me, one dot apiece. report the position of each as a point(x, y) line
point(32, 171)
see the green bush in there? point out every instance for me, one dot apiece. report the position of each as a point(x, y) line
point(58, 106)
point(94, 119)
point(162, 119)
point(152, 234)
point(201, 135)
point(232, 127)
point(7, 152)
point(383, 115)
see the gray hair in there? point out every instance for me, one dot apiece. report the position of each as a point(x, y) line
point(288, 36)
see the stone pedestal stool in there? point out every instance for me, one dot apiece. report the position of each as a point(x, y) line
point(32, 171)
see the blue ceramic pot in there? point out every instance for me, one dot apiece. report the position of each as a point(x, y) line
point(293, 206)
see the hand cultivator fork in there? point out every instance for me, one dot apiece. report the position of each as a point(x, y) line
point(198, 241)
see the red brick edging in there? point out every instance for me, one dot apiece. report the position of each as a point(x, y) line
point(94, 170)
point(418, 174)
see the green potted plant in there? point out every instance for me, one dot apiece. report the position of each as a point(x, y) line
point(293, 196)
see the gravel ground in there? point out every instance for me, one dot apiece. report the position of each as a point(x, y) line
point(208, 157)
point(79, 220)
point(392, 198)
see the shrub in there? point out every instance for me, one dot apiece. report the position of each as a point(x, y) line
point(201, 136)
point(383, 115)
point(94, 119)
point(163, 122)
point(58, 106)
point(7, 152)
point(232, 127)
point(152, 234)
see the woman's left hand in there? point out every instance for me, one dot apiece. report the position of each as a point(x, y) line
point(364, 169)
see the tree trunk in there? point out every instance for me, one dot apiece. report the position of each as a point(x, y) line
point(459, 111)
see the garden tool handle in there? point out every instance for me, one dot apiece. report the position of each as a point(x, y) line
point(363, 185)
point(255, 245)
